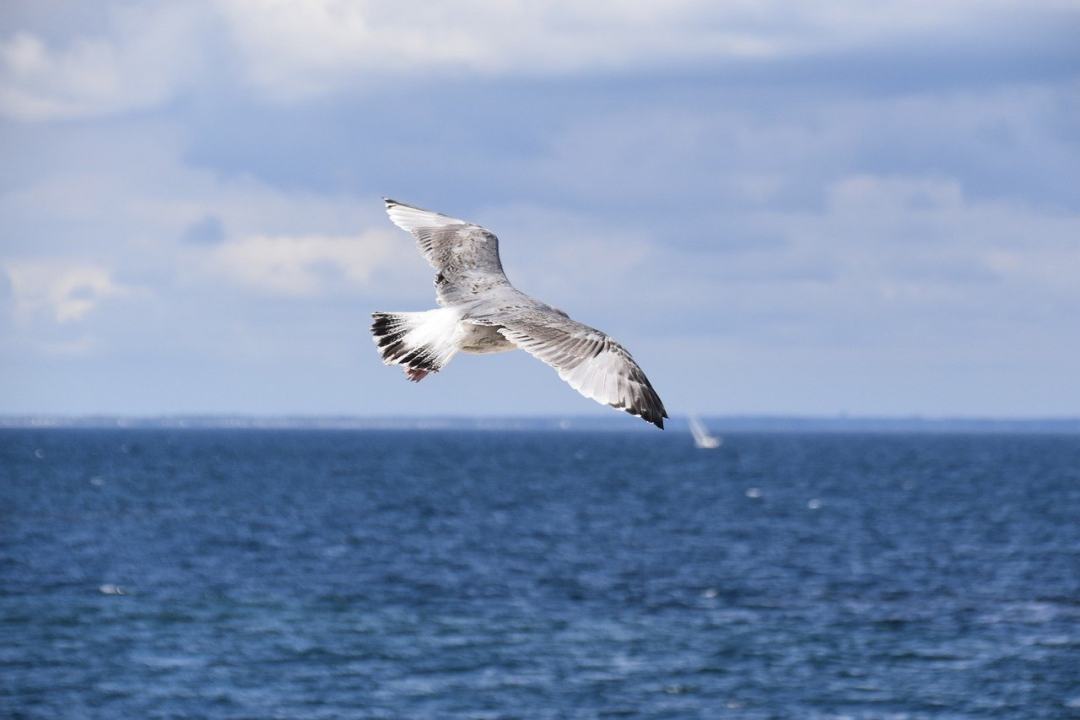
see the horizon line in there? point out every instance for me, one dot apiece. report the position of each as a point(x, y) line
point(717, 422)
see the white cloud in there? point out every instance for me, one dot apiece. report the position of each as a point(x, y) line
point(150, 54)
point(293, 49)
point(65, 290)
point(297, 48)
point(129, 201)
point(301, 265)
point(906, 262)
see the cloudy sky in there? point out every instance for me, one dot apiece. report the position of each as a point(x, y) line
point(780, 208)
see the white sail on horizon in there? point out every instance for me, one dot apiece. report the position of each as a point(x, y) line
point(702, 438)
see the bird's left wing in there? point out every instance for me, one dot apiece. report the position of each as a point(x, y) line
point(588, 360)
point(465, 256)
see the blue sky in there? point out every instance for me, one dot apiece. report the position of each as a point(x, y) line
point(812, 208)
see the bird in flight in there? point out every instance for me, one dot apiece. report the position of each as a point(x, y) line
point(481, 312)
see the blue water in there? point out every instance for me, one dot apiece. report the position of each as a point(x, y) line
point(337, 574)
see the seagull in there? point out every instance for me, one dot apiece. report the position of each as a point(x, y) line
point(481, 312)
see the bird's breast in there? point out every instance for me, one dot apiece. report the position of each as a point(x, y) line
point(482, 339)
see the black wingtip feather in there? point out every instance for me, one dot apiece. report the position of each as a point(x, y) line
point(650, 414)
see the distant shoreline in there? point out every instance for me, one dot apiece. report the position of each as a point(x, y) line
point(718, 424)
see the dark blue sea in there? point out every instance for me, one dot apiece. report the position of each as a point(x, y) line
point(437, 574)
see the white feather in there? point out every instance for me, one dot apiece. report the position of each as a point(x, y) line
point(411, 219)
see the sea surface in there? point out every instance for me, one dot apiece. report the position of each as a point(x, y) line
point(441, 574)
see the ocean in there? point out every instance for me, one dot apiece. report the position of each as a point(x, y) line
point(537, 574)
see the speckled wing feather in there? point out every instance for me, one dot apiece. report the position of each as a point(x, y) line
point(588, 360)
point(465, 256)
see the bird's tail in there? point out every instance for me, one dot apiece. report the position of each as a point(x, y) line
point(421, 342)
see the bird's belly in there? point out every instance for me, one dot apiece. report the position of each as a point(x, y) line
point(481, 339)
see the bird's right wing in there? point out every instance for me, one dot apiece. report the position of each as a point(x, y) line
point(465, 256)
point(588, 360)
